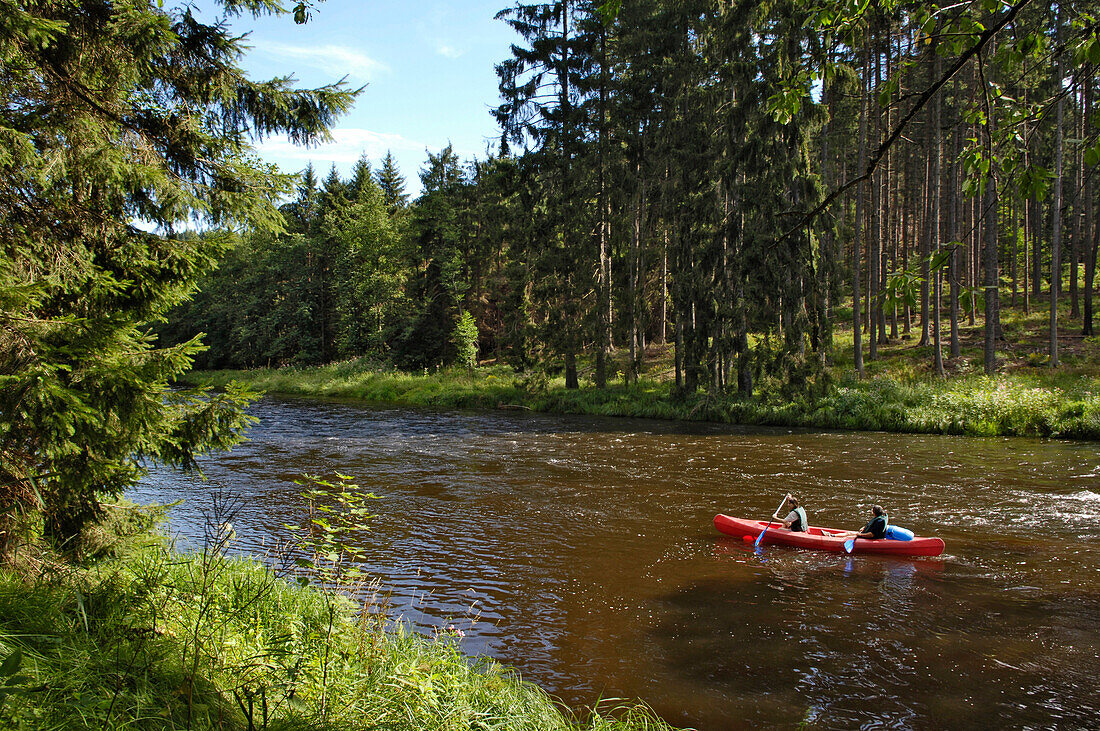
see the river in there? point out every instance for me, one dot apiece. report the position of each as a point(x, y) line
point(581, 552)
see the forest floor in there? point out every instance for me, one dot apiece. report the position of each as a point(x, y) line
point(899, 390)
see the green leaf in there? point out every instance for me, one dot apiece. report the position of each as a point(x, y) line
point(11, 663)
point(609, 11)
point(1092, 52)
point(1092, 155)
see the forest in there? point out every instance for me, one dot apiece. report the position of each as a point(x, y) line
point(750, 186)
point(736, 179)
point(766, 200)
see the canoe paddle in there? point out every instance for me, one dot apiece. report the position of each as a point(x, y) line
point(849, 545)
point(756, 543)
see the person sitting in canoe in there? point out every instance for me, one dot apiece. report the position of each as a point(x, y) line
point(876, 527)
point(796, 519)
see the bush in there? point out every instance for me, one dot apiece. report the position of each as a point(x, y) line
point(465, 341)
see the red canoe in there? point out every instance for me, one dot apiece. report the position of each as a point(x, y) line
point(825, 539)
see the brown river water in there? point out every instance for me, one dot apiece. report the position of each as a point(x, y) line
point(581, 552)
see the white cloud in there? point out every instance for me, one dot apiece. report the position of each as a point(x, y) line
point(347, 146)
point(449, 51)
point(333, 60)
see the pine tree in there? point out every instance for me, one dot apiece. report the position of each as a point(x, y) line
point(115, 112)
point(543, 109)
point(440, 280)
point(369, 270)
point(392, 183)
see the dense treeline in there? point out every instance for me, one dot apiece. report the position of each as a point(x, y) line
point(718, 175)
point(726, 177)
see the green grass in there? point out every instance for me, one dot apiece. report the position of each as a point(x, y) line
point(899, 391)
point(151, 639)
point(894, 397)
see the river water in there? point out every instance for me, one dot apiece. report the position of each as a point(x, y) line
point(582, 552)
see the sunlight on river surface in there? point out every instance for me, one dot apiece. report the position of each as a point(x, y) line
point(582, 552)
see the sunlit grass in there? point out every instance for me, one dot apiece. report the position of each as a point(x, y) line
point(149, 638)
point(899, 392)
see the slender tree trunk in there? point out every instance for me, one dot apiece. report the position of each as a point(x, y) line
point(908, 226)
point(874, 302)
point(1056, 213)
point(889, 206)
point(991, 260)
point(857, 243)
point(825, 343)
point(636, 297)
point(953, 228)
point(1036, 245)
point(928, 208)
point(664, 288)
point(1075, 236)
point(1026, 205)
point(874, 254)
point(926, 244)
point(1091, 232)
point(1015, 248)
point(1090, 268)
point(1026, 227)
point(603, 288)
point(937, 187)
point(989, 231)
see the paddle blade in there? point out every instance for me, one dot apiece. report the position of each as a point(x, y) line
point(849, 545)
point(756, 543)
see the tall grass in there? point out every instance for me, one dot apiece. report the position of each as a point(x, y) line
point(146, 638)
point(899, 394)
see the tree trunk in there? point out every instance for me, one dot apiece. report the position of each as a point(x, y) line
point(928, 209)
point(571, 379)
point(1090, 237)
point(1056, 213)
point(603, 284)
point(857, 242)
point(953, 228)
point(937, 182)
point(1075, 236)
point(664, 288)
point(1090, 268)
point(989, 231)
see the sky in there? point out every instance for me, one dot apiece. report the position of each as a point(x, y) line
point(428, 68)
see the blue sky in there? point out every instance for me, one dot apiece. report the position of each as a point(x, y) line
point(428, 67)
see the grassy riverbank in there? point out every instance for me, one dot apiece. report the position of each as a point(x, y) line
point(895, 397)
point(141, 637)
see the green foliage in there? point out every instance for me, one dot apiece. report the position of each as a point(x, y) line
point(661, 174)
point(112, 114)
point(154, 639)
point(465, 341)
point(902, 399)
point(337, 511)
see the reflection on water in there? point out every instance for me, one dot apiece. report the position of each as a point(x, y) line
point(581, 551)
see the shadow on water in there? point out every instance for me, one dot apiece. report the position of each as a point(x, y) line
point(581, 551)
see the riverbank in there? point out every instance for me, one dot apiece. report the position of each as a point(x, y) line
point(139, 636)
point(1030, 402)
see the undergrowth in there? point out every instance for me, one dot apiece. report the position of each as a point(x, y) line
point(899, 398)
point(141, 637)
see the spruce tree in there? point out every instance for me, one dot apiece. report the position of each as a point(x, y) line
point(113, 113)
point(392, 183)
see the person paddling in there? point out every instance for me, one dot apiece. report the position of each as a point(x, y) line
point(876, 527)
point(796, 519)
